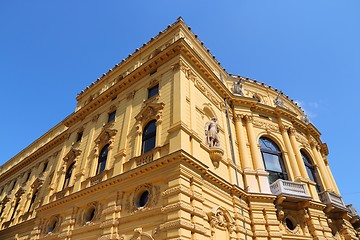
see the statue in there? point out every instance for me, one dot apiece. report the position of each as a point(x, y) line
point(237, 88)
point(212, 133)
point(278, 101)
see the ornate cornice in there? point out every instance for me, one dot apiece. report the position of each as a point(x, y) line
point(13, 171)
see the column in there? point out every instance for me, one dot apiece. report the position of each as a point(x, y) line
point(290, 152)
point(240, 136)
point(321, 165)
point(300, 162)
point(331, 176)
point(255, 153)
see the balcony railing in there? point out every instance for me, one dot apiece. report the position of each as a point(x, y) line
point(352, 210)
point(333, 199)
point(290, 189)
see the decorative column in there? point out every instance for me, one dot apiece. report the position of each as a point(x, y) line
point(300, 162)
point(290, 153)
point(321, 165)
point(331, 176)
point(255, 153)
point(240, 136)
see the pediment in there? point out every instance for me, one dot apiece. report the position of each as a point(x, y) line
point(150, 111)
point(72, 154)
point(37, 183)
point(105, 136)
point(19, 192)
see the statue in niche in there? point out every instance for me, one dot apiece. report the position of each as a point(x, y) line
point(212, 133)
point(237, 88)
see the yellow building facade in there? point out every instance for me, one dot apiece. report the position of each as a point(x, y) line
point(168, 145)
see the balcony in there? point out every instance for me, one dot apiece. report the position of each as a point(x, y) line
point(352, 210)
point(292, 191)
point(333, 200)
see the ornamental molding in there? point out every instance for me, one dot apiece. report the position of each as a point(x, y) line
point(106, 136)
point(71, 155)
point(265, 125)
point(133, 197)
point(199, 84)
point(149, 111)
point(37, 183)
point(220, 218)
point(301, 139)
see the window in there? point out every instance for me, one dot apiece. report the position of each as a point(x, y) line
point(15, 207)
point(28, 176)
point(32, 200)
point(68, 175)
point(273, 162)
point(79, 136)
point(112, 116)
point(153, 91)
point(52, 225)
point(45, 167)
point(90, 214)
point(311, 171)
point(149, 137)
point(102, 159)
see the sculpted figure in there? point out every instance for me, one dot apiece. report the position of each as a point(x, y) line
point(212, 133)
point(237, 88)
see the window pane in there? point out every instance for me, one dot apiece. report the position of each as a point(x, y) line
point(149, 144)
point(153, 91)
point(272, 162)
point(112, 116)
point(267, 144)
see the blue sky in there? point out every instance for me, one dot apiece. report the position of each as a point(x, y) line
point(51, 50)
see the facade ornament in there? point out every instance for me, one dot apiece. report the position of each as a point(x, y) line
point(305, 118)
point(212, 133)
point(278, 101)
point(130, 95)
point(213, 141)
point(237, 87)
point(220, 218)
point(72, 154)
point(149, 112)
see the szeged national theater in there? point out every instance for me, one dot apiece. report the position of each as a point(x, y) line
point(168, 145)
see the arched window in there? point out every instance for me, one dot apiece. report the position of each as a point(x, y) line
point(102, 159)
point(32, 200)
point(149, 137)
point(272, 158)
point(68, 175)
point(311, 171)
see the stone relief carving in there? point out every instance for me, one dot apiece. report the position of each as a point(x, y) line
point(132, 198)
point(71, 155)
point(265, 125)
point(148, 112)
point(220, 218)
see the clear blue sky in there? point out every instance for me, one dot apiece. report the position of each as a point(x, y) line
point(51, 50)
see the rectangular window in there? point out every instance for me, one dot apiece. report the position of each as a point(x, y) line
point(153, 91)
point(111, 117)
point(79, 136)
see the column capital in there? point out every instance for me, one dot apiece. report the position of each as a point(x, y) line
point(247, 118)
point(291, 130)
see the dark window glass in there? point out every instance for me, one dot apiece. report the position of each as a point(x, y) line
point(2, 209)
point(272, 158)
point(68, 175)
point(15, 207)
point(311, 171)
point(102, 159)
point(290, 224)
point(52, 225)
point(153, 91)
point(45, 166)
point(144, 197)
point(32, 200)
point(149, 137)
point(112, 116)
point(28, 176)
point(79, 136)
point(90, 213)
